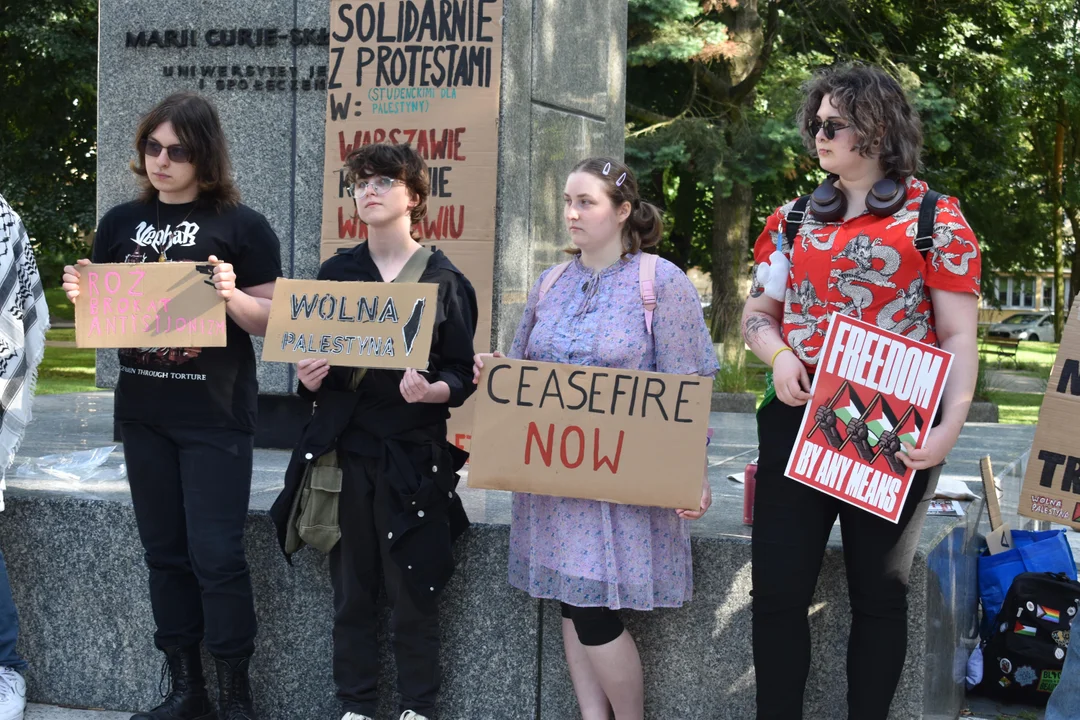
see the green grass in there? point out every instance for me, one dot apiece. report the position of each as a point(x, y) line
point(1017, 408)
point(61, 335)
point(59, 307)
point(1036, 358)
point(66, 370)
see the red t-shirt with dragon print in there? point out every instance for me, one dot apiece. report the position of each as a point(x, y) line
point(868, 267)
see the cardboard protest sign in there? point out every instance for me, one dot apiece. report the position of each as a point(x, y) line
point(428, 74)
point(990, 492)
point(873, 390)
point(1051, 489)
point(357, 324)
point(599, 433)
point(133, 305)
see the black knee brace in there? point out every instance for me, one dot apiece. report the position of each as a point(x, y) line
point(594, 625)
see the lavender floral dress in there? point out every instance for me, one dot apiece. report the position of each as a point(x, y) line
point(586, 552)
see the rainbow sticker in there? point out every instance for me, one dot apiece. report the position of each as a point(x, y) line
point(1048, 614)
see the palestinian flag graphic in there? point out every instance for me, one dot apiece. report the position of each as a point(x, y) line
point(881, 419)
point(1022, 629)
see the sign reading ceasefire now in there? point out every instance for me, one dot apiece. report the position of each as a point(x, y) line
point(133, 305)
point(358, 324)
point(609, 434)
point(1051, 489)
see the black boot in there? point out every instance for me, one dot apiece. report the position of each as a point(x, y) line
point(187, 699)
point(234, 689)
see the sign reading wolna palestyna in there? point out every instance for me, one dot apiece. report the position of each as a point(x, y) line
point(357, 324)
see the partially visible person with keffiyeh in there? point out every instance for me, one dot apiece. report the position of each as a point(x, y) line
point(24, 318)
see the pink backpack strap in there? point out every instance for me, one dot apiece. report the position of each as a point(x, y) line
point(552, 278)
point(647, 283)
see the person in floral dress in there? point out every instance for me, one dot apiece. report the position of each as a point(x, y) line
point(598, 557)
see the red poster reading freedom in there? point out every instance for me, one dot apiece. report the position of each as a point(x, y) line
point(873, 390)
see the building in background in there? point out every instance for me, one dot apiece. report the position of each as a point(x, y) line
point(1021, 292)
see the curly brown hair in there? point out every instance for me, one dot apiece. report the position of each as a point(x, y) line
point(878, 110)
point(197, 125)
point(400, 162)
point(645, 226)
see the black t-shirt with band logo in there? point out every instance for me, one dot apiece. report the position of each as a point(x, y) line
point(207, 387)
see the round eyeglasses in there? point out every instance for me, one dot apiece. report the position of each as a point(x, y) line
point(378, 185)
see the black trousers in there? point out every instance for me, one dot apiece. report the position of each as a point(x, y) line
point(190, 488)
point(359, 565)
point(792, 523)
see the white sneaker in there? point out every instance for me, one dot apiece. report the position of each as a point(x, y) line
point(354, 716)
point(12, 694)
point(410, 715)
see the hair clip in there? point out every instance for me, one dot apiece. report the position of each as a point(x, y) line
point(607, 168)
point(621, 180)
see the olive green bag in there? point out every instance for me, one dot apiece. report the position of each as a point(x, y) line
point(314, 516)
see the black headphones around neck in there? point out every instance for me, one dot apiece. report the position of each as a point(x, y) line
point(885, 198)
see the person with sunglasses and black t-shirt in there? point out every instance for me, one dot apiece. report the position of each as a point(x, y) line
point(187, 415)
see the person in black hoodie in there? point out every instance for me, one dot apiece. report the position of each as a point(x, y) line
point(398, 508)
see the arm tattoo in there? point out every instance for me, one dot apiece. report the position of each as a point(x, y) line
point(755, 325)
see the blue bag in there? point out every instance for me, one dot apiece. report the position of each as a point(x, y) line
point(1043, 551)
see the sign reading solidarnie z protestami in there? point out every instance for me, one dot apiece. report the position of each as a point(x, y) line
point(426, 73)
point(873, 390)
point(1051, 489)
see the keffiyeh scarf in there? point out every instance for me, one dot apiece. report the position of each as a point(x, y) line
point(24, 318)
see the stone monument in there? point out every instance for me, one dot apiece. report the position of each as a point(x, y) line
point(265, 66)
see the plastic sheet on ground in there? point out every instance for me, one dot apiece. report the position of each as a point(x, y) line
point(79, 470)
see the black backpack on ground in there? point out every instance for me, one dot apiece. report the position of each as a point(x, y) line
point(1022, 660)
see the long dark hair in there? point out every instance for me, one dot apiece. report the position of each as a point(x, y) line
point(645, 225)
point(196, 124)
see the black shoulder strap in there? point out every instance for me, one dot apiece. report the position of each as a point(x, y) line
point(924, 236)
point(794, 219)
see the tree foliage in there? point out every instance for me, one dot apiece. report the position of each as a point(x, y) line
point(993, 81)
point(48, 108)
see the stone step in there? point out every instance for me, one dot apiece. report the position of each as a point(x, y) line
point(51, 712)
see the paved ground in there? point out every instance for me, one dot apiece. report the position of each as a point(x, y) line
point(43, 712)
point(1013, 381)
point(984, 709)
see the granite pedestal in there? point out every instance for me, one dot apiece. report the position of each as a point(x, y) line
point(80, 584)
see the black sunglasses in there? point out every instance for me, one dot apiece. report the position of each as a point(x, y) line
point(830, 128)
point(177, 153)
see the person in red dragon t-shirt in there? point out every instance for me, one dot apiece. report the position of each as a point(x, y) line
point(854, 253)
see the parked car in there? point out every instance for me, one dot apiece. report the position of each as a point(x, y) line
point(1025, 326)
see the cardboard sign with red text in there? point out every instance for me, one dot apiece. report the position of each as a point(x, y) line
point(873, 390)
point(1051, 489)
point(426, 74)
point(134, 305)
point(622, 436)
